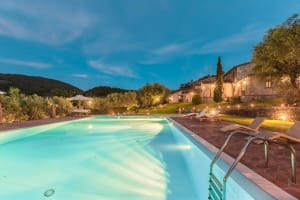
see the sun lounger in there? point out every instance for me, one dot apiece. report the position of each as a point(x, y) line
point(253, 127)
point(292, 134)
point(213, 116)
point(190, 114)
point(201, 114)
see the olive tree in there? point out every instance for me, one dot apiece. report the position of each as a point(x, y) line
point(152, 94)
point(277, 55)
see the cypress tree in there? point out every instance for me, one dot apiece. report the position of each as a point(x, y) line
point(218, 92)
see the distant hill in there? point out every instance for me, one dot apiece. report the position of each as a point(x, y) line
point(102, 91)
point(37, 85)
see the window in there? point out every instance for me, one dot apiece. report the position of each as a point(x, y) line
point(268, 84)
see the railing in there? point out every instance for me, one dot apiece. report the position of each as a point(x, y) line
point(221, 188)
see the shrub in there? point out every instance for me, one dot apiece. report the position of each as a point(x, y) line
point(196, 100)
point(35, 107)
point(19, 107)
point(236, 100)
point(287, 92)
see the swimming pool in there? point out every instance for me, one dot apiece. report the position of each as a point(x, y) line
point(110, 158)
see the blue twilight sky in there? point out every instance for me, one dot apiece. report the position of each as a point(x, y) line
point(127, 43)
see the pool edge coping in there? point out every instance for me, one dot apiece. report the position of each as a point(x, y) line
point(41, 125)
point(266, 185)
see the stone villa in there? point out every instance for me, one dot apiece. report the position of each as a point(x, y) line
point(239, 82)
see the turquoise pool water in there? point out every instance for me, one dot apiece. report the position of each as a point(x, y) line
point(110, 158)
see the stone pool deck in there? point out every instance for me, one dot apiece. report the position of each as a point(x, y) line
point(24, 124)
point(279, 157)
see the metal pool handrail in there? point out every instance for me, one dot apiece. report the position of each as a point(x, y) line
point(266, 145)
point(221, 189)
point(226, 143)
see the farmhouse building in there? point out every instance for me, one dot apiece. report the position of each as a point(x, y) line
point(239, 82)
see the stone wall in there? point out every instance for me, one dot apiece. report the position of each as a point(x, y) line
point(256, 86)
point(283, 113)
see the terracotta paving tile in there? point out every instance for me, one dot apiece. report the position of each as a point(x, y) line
point(279, 158)
point(24, 124)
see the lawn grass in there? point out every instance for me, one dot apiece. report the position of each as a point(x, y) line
point(273, 125)
point(172, 107)
point(167, 109)
point(264, 102)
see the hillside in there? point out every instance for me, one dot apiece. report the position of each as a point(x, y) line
point(102, 91)
point(37, 85)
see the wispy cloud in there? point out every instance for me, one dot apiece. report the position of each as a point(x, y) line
point(163, 53)
point(233, 42)
point(247, 35)
point(111, 41)
point(80, 75)
point(33, 64)
point(152, 60)
point(115, 70)
point(10, 28)
point(170, 49)
point(166, 52)
point(42, 23)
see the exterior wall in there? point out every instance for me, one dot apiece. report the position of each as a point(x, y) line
point(227, 91)
point(207, 92)
point(205, 88)
point(187, 97)
point(250, 88)
point(256, 89)
point(175, 97)
point(240, 88)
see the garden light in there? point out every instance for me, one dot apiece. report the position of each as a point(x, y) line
point(283, 117)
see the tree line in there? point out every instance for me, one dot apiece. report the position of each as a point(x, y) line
point(17, 106)
point(147, 96)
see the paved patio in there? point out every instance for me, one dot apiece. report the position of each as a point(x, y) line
point(16, 125)
point(279, 157)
